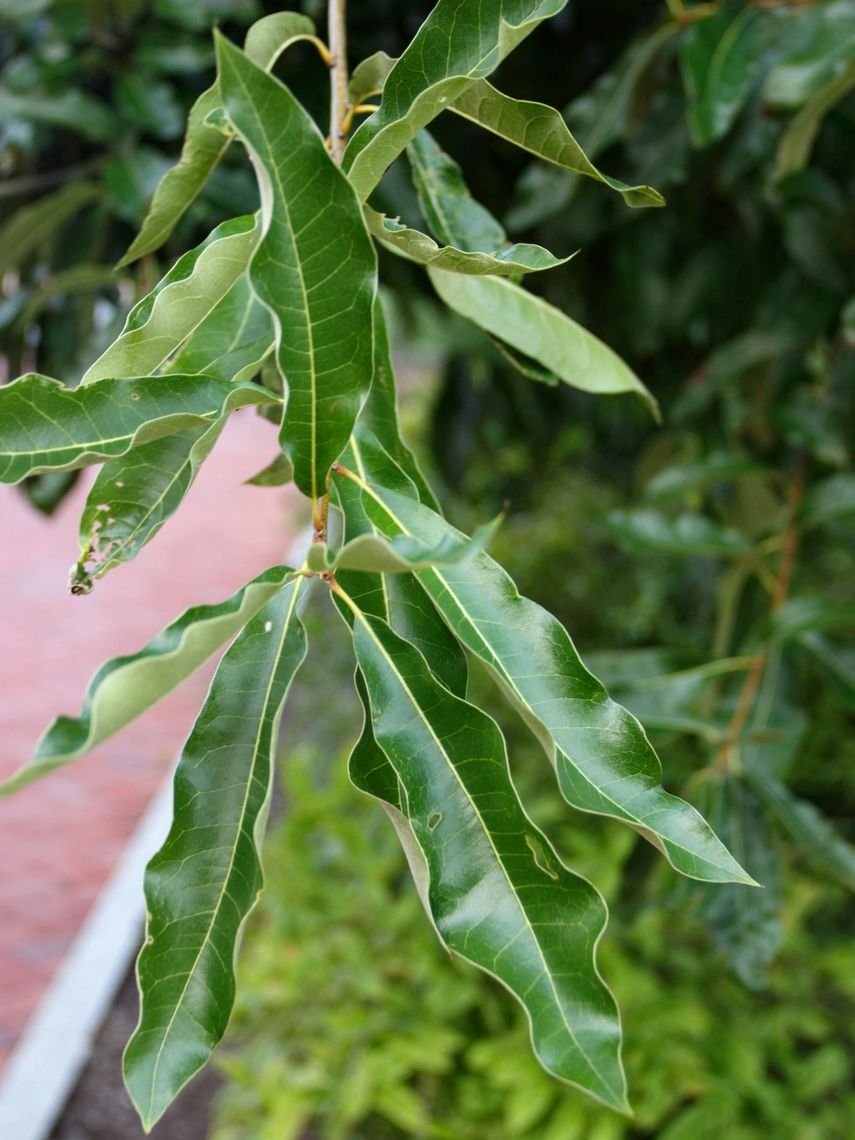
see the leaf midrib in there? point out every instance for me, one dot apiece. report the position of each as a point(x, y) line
point(273, 168)
point(101, 441)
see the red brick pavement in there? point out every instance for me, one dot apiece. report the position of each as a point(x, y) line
point(60, 838)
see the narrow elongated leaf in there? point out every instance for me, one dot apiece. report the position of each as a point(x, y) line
point(369, 77)
point(133, 496)
point(688, 533)
point(206, 878)
point(525, 365)
point(541, 131)
point(459, 42)
point(537, 329)
point(720, 59)
point(600, 116)
point(509, 261)
point(380, 411)
point(452, 214)
point(180, 303)
point(277, 473)
point(30, 227)
point(807, 826)
point(124, 687)
point(232, 341)
point(403, 604)
point(315, 267)
point(604, 761)
point(399, 555)
point(797, 141)
point(46, 427)
point(204, 144)
point(499, 895)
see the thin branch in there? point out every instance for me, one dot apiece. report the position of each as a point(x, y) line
point(337, 20)
point(780, 593)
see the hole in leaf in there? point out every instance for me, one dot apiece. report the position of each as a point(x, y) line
point(541, 859)
point(434, 820)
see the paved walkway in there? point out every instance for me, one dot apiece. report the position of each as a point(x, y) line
point(60, 837)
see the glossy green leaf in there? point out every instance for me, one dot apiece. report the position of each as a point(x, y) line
point(203, 148)
point(796, 143)
point(401, 554)
point(232, 341)
point(179, 303)
point(807, 826)
point(452, 214)
point(403, 604)
point(539, 330)
point(604, 762)
point(46, 492)
point(124, 687)
point(541, 131)
point(459, 42)
point(206, 878)
point(720, 59)
point(204, 144)
point(508, 261)
point(685, 534)
point(525, 365)
point(134, 495)
point(31, 227)
point(600, 116)
point(380, 411)
point(277, 473)
point(499, 895)
point(46, 427)
point(315, 267)
point(369, 77)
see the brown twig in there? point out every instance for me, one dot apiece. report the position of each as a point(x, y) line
point(780, 593)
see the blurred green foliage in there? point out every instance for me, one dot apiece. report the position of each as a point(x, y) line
point(352, 1021)
point(713, 555)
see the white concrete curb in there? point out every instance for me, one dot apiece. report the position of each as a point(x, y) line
point(46, 1062)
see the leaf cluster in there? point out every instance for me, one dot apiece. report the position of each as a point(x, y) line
point(281, 308)
point(723, 543)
